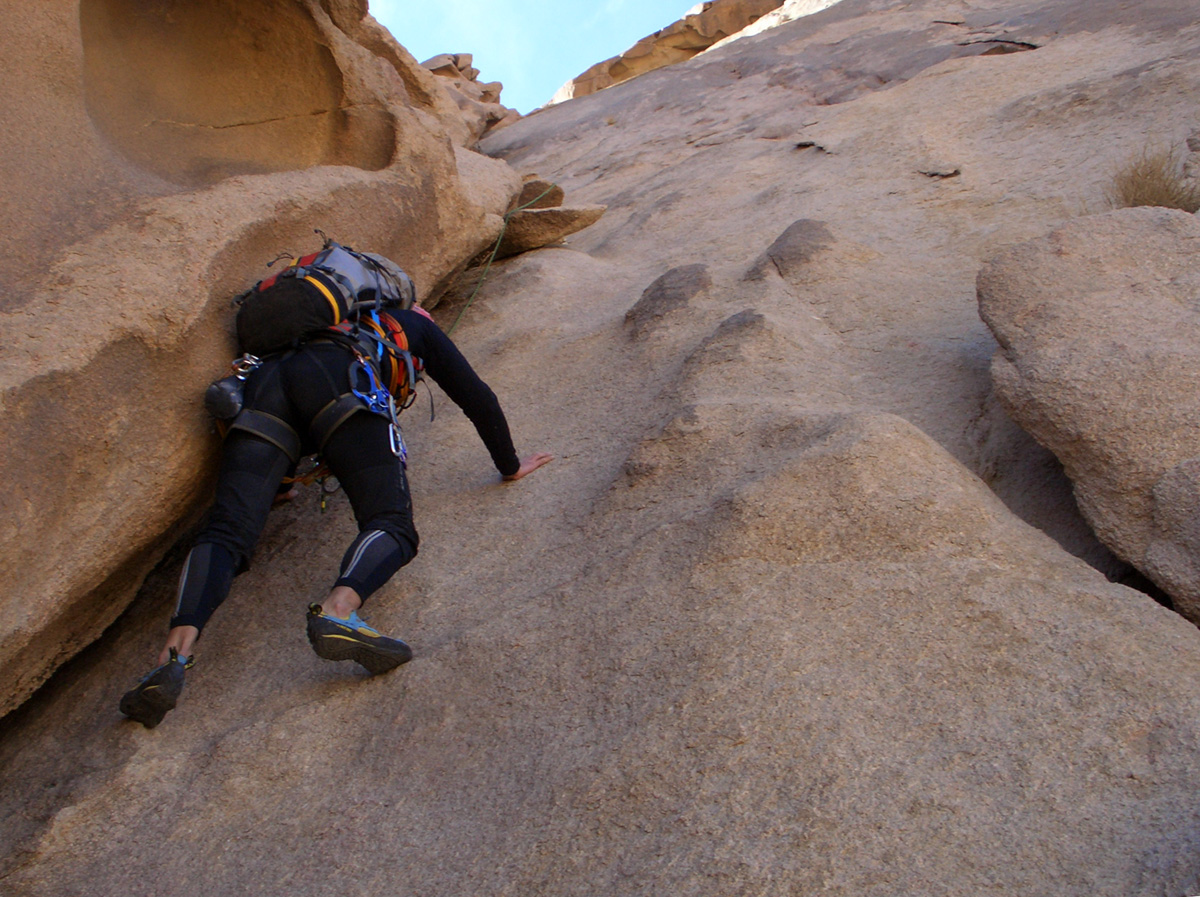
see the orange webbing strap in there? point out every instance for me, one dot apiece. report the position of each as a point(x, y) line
point(320, 472)
point(389, 334)
point(401, 361)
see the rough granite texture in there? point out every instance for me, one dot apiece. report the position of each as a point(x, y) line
point(1099, 332)
point(797, 609)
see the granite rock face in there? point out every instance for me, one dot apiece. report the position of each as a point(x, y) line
point(788, 11)
point(798, 608)
point(704, 25)
point(539, 194)
point(1099, 332)
point(478, 101)
point(533, 228)
point(161, 157)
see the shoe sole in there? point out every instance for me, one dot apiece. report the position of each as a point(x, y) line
point(147, 705)
point(338, 644)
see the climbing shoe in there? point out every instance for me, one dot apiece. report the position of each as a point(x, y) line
point(336, 639)
point(149, 701)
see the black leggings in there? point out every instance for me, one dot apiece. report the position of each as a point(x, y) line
point(294, 388)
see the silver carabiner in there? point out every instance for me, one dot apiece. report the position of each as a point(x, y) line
point(246, 365)
point(396, 442)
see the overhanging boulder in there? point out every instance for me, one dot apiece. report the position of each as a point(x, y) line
point(1099, 359)
point(190, 150)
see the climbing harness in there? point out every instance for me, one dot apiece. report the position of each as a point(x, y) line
point(335, 295)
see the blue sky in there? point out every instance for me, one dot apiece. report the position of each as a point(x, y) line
point(531, 46)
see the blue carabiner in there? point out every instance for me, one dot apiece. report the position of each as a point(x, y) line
point(374, 396)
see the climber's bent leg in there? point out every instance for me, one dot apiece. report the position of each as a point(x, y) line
point(371, 560)
point(374, 481)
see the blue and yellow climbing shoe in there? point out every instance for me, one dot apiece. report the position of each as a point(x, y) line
point(149, 701)
point(336, 639)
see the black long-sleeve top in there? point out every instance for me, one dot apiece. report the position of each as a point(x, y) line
point(454, 374)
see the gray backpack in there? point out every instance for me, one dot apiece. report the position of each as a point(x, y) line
point(319, 291)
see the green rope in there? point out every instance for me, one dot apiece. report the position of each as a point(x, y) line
point(492, 257)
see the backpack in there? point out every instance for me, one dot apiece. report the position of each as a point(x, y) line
point(318, 291)
point(336, 294)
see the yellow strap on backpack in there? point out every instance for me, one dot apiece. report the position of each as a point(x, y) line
point(337, 315)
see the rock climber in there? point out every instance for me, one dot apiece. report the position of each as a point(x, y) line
point(294, 387)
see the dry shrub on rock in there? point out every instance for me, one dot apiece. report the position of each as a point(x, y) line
point(1155, 177)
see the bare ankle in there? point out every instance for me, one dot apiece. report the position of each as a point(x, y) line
point(341, 602)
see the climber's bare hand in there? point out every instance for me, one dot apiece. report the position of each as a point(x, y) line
point(529, 465)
